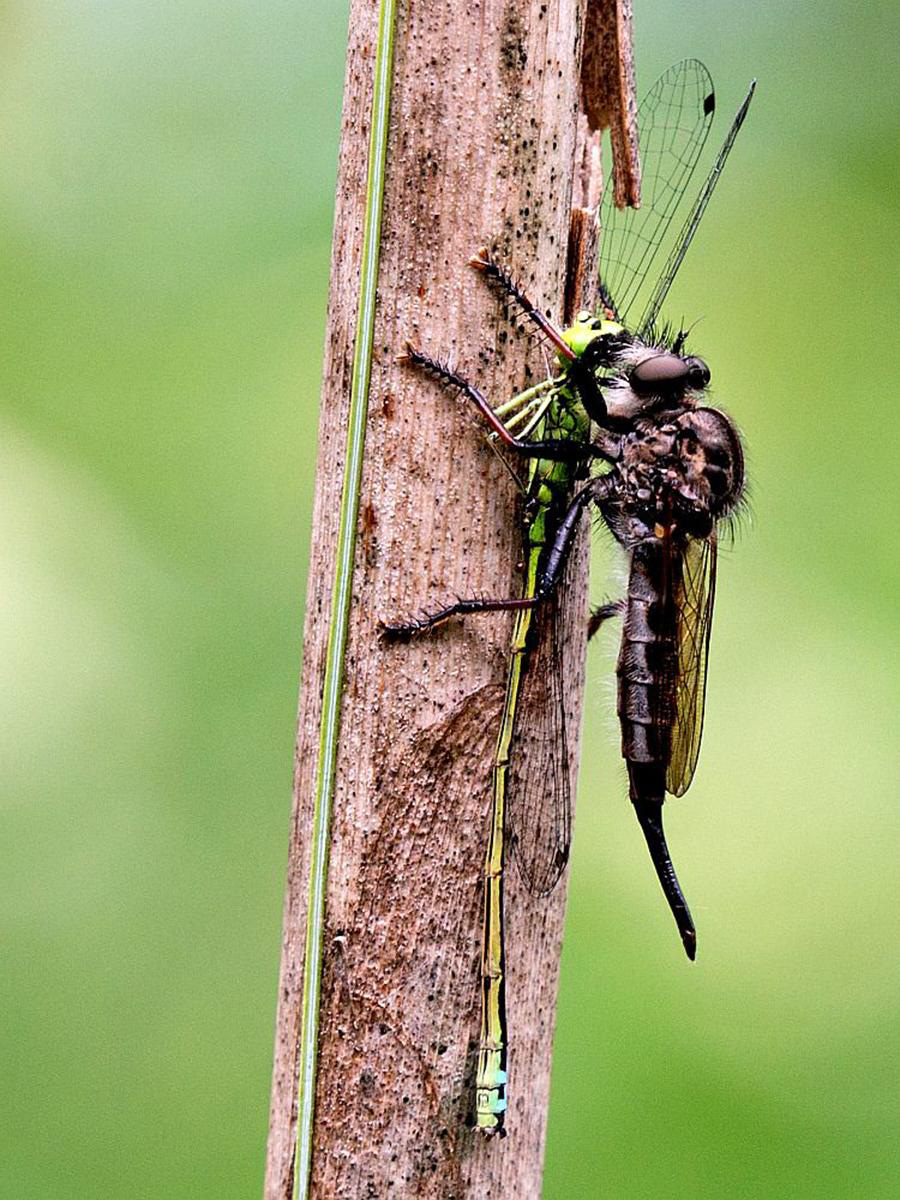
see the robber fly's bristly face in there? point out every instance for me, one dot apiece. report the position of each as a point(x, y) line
point(648, 379)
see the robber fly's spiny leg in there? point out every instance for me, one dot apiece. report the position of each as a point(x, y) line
point(555, 562)
point(602, 613)
point(551, 574)
point(558, 451)
point(484, 261)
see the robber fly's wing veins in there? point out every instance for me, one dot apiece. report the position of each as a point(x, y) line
point(539, 808)
point(674, 120)
point(695, 592)
point(686, 236)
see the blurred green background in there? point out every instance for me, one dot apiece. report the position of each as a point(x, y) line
point(166, 191)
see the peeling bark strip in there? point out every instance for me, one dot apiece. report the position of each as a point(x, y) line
point(482, 148)
point(607, 76)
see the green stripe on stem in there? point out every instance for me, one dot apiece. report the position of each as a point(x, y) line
point(340, 602)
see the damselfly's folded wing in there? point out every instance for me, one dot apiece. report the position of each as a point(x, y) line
point(539, 776)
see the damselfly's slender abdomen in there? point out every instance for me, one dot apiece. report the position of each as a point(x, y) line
point(550, 485)
point(647, 670)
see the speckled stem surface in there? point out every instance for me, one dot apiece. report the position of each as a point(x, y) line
point(484, 120)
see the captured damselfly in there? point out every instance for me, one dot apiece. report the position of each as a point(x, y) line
point(623, 426)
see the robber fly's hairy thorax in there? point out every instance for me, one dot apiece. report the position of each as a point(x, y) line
point(680, 464)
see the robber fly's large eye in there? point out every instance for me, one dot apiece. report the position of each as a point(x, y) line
point(664, 373)
point(659, 374)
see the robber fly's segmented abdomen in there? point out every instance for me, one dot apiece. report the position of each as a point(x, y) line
point(647, 671)
point(647, 660)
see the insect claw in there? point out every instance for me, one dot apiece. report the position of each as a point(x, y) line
point(481, 260)
point(409, 354)
point(388, 632)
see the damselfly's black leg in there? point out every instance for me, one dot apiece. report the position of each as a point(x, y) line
point(551, 573)
point(558, 451)
point(460, 608)
point(484, 261)
point(603, 613)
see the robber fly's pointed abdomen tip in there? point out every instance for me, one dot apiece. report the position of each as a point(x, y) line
point(689, 941)
point(649, 815)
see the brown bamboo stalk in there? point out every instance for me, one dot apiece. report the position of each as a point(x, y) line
point(483, 148)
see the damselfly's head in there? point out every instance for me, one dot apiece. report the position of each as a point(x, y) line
point(595, 339)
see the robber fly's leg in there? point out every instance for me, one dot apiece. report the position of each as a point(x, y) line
point(547, 582)
point(592, 398)
point(484, 261)
point(602, 613)
point(558, 451)
point(555, 563)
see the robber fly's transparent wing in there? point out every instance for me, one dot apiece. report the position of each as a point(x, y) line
point(674, 120)
point(692, 221)
point(695, 592)
point(539, 779)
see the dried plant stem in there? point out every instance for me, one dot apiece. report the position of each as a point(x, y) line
point(482, 146)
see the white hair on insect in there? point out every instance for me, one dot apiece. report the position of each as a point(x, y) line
point(621, 401)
